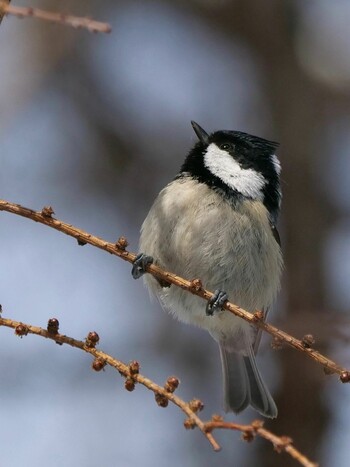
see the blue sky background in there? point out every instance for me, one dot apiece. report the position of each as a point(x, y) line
point(162, 66)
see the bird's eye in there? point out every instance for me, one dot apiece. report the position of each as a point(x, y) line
point(226, 146)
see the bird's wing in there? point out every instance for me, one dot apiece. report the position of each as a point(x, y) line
point(275, 233)
point(259, 333)
point(256, 344)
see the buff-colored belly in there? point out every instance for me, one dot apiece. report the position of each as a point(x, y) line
point(193, 232)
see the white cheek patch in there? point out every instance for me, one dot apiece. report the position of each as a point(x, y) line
point(245, 181)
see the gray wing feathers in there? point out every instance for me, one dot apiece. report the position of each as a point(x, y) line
point(259, 333)
point(236, 382)
point(243, 384)
point(260, 397)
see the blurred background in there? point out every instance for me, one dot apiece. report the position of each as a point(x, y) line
point(96, 125)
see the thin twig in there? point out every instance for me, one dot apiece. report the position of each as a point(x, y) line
point(195, 286)
point(280, 443)
point(121, 367)
point(131, 373)
point(60, 18)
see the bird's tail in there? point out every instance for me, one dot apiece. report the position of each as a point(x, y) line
point(243, 384)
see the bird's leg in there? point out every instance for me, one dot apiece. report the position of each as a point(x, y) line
point(216, 302)
point(140, 264)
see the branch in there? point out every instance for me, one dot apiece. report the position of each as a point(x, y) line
point(60, 18)
point(162, 394)
point(194, 286)
point(3, 6)
point(129, 371)
point(280, 443)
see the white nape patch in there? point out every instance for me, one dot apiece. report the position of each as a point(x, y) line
point(245, 181)
point(276, 163)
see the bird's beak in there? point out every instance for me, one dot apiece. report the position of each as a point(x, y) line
point(202, 135)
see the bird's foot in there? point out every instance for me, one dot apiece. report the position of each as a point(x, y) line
point(140, 264)
point(216, 302)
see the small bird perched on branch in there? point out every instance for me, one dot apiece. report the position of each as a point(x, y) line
point(217, 221)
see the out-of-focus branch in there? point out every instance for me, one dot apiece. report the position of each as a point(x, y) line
point(60, 18)
point(162, 394)
point(3, 6)
point(195, 286)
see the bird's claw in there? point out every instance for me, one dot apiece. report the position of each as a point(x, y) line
point(216, 302)
point(140, 264)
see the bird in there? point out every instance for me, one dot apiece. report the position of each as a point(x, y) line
point(216, 221)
